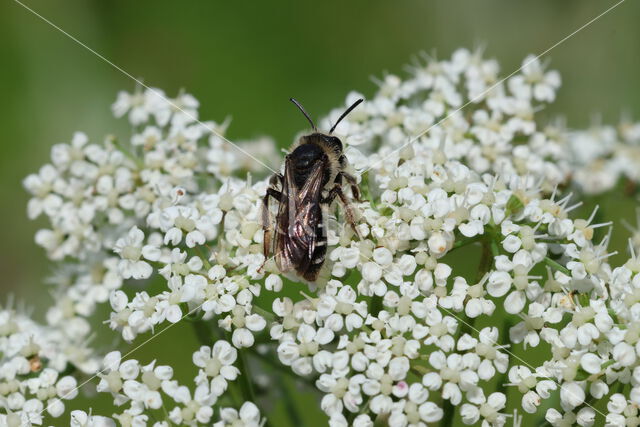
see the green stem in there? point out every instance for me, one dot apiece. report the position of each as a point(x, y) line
point(203, 257)
point(282, 368)
point(137, 160)
point(236, 388)
point(557, 266)
point(245, 376)
point(290, 404)
point(447, 417)
point(262, 312)
point(495, 249)
point(504, 378)
point(486, 260)
point(464, 242)
point(285, 386)
point(366, 191)
point(166, 415)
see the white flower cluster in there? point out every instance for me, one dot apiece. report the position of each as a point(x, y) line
point(604, 154)
point(459, 109)
point(35, 369)
point(143, 387)
point(152, 387)
point(451, 160)
point(365, 358)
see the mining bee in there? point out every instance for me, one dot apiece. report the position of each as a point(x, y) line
point(314, 172)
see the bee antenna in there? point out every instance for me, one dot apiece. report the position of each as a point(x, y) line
point(354, 105)
point(301, 108)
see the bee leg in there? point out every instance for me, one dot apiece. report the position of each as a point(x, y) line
point(353, 184)
point(348, 210)
point(266, 220)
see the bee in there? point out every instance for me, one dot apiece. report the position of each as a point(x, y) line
point(314, 175)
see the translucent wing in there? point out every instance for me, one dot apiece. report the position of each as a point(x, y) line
point(298, 217)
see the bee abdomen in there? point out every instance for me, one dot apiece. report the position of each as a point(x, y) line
point(317, 258)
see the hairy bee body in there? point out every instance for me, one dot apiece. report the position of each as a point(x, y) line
point(314, 173)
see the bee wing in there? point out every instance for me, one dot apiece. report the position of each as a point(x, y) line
point(297, 219)
point(309, 214)
point(287, 205)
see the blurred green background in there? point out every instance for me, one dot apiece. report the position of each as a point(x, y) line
point(245, 60)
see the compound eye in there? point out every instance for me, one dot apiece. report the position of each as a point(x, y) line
point(335, 142)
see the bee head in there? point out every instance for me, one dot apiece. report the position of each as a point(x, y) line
point(333, 142)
